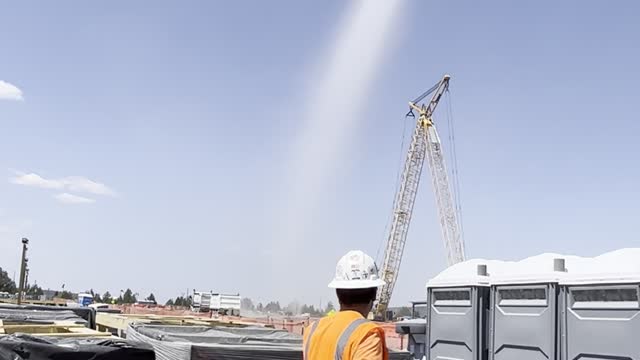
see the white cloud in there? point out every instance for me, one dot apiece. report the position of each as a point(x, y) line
point(82, 184)
point(71, 183)
point(36, 180)
point(10, 92)
point(67, 198)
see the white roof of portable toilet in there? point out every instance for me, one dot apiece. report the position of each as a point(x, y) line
point(534, 269)
point(621, 265)
point(464, 274)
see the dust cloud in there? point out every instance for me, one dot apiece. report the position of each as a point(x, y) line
point(332, 118)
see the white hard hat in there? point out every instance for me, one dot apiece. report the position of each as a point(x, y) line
point(356, 270)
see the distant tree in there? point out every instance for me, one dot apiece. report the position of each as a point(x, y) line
point(260, 307)
point(311, 310)
point(170, 302)
point(96, 296)
point(151, 297)
point(270, 307)
point(293, 308)
point(128, 297)
point(181, 301)
point(6, 283)
point(247, 304)
point(34, 290)
point(120, 300)
point(106, 297)
point(66, 295)
point(273, 307)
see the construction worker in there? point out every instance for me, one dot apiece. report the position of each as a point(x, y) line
point(348, 335)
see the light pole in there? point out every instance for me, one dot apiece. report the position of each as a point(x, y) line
point(23, 269)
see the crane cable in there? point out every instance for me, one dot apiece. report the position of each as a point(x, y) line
point(454, 165)
point(397, 186)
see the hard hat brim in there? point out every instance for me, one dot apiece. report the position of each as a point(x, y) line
point(356, 284)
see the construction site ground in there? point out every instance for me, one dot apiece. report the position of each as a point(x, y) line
point(293, 325)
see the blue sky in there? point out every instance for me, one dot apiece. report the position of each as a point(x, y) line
point(186, 117)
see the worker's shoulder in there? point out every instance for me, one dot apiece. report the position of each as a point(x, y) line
point(371, 325)
point(344, 319)
point(368, 328)
point(372, 336)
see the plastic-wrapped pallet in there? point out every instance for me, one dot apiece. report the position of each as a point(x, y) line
point(27, 347)
point(45, 316)
point(219, 342)
point(222, 343)
point(164, 350)
point(50, 313)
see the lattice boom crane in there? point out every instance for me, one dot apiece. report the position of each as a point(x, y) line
point(425, 143)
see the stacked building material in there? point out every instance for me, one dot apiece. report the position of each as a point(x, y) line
point(25, 346)
point(222, 342)
point(54, 333)
point(217, 342)
point(87, 314)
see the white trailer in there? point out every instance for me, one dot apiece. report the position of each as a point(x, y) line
point(201, 301)
point(226, 304)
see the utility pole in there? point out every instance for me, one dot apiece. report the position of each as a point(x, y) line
point(26, 277)
point(23, 269)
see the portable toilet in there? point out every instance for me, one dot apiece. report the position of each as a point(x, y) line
point(85, 299)
point(458, 301)
point(523, 321)
point(600, 307)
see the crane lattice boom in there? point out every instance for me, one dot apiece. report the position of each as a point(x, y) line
point(424, 143)
point(444, 199)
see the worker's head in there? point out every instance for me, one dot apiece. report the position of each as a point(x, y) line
point(353, 298)
point(356, 281)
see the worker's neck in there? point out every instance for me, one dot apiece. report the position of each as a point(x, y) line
point(362, 309)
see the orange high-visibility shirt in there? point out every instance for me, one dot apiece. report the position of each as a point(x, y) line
point(345, 336)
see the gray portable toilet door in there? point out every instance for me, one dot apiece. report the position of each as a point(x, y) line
point(452, 324)
point(523, 322)
point(601, 322)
